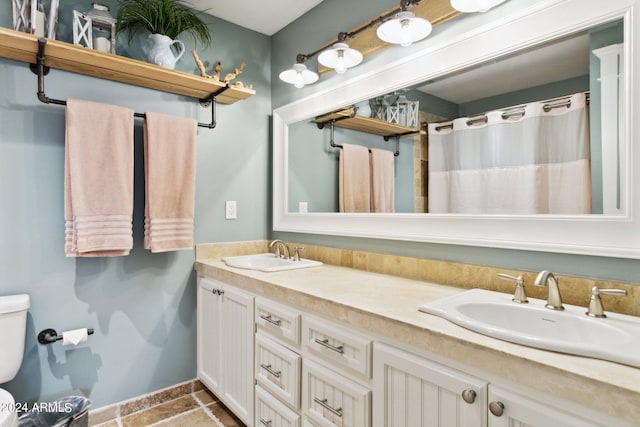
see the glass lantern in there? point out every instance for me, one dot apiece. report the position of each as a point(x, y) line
point(95, 29)
point(403, 112)
point(38, 17)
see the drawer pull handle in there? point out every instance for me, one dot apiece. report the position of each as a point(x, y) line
point(271, 371)
point(325, 343)
point(326, 406)
point(270, 319)
point(265, 423)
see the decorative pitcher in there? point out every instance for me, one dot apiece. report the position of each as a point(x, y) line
point(161, 53)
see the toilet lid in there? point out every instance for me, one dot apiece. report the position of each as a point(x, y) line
point(7, 418)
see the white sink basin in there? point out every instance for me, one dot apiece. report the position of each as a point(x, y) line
point(615, 338)
point(268, 262)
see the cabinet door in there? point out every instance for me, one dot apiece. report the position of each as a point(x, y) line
point(508, 409)
point(236, 347)
point(410, 391)
point(208, 324)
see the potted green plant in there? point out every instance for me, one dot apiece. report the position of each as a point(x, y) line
point(165, 20)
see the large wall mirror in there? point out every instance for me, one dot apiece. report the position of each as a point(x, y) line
point(524, 141)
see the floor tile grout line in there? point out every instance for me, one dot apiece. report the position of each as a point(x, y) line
point(120, 417)
point(160, 422)
point(208, 411)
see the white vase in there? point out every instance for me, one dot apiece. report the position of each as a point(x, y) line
point(161, 53)
point(363, 109)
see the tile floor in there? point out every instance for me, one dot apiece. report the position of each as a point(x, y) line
point(197, 409)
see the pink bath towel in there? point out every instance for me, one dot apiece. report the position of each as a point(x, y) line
point(98, 179)
point(382, 180)
point(354, 179)
point(170, 166)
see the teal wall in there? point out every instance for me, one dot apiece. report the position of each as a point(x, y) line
point(141, 306)
point(321, 25)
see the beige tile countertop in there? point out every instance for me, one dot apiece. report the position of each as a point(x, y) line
point(388, 306)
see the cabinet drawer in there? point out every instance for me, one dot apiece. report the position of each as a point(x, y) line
point(278, 370)
point(331, 400)
point(338, 345)
point(270, 412)
point(278, 320)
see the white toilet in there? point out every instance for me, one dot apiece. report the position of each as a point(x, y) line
point(13, 323)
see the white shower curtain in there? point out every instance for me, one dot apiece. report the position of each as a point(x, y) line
point(524, 164)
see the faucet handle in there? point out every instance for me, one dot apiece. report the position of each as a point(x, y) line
point(596, 309)
point(519, 295)
point(296, 253)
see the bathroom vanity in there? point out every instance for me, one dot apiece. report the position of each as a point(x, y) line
point(335, 346)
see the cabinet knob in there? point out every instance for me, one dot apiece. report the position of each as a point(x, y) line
point(469, 396)
point(496, 408)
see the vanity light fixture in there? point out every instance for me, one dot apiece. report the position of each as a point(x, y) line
point(471, 6)
point(405, 29)
point(340, 57)
point(299, 75)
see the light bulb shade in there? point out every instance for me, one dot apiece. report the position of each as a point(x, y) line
point(299, 75)
point(404, 29)
point(471, 6)
point(340, 57)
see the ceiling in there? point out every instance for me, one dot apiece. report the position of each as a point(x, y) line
point(266, 17)
point(541, 65)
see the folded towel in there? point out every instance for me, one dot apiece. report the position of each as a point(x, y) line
point(354, 179)
point(382, 180)
point(169, 165)
point(98, 179)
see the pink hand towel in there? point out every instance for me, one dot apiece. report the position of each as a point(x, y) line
point(98, 179)
point(170, 166)
point(382, 180)
point(354, 179)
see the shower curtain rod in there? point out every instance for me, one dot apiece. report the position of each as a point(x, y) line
point(41, 70)
point(549, 105)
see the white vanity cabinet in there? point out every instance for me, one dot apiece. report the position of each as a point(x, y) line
point(508, 408)
point(226, 344)
point(410, 391)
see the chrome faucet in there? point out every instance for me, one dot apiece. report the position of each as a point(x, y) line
point(279, 244)
point(554, 301)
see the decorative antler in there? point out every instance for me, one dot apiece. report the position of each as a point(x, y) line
point(234, 74)
point(218, 71)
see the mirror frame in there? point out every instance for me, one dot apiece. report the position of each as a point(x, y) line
point(601, 235)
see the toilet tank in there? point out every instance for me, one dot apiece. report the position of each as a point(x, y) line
point(13, 326)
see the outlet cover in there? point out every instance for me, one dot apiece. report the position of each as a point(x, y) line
point(230, 209)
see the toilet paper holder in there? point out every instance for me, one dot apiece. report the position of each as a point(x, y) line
point(49, 336)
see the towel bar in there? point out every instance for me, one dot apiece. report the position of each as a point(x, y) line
point(41, 70)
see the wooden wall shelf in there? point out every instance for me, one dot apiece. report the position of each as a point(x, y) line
point(343, 119)
point(77, 59)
